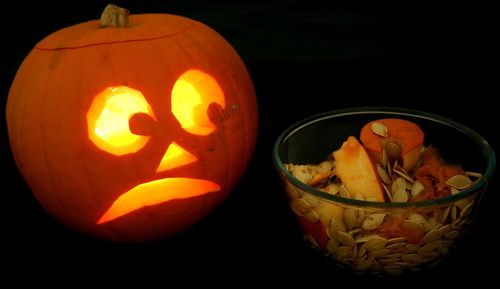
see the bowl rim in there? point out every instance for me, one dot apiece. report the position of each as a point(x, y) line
point(394, 111)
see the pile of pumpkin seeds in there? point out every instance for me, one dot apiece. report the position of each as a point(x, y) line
point(354, 237)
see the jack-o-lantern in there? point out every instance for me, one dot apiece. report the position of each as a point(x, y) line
point(132, 129)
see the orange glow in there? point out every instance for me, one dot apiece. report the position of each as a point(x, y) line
point(156, 192)
point(193, 92)
point(108, 120)
point(175, 157)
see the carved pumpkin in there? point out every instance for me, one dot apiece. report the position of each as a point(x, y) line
point(132, 133)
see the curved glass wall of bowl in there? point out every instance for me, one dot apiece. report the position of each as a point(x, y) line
point(360, 232)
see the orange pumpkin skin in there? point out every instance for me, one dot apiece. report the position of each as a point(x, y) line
point(77, 182)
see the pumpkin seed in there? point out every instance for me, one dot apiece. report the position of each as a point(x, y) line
point(452, 235)
point(453, 213)
point(300, 207)
point(417, 188)
point(373, 221)
point(384, 158)
point(430, 246)
point(318, 178)
point(393, 150)
point(343, 192)
point(336, 226)
point(403, 175)
point(473, 174)
point(443, 250)
point(302, 173)
point(345, 239)
point(363, 266)
point(398, 184)
point(331, 189)
point(361, 252)
point(466, 211)
point(402, 264)
point(445, 229)
point(396, 271)
point(460, 182)
point(380, 252)
point(379, 129)
point(310, 239)
point(376, 266)
point(462, 204)
point(416, 217)
point(402, 169)
point(434, 234)
point(332, 246)
point(394, 255)
point(412, 225)
point(292, 191)
point(311, 216)
point(375, 243)
point(432, 223)
point(349, 218)
point(386, 260)
point(412, 247)
point(444, 215)
point(400, 196)
point(397, 247)
point(383, 175)
point(464, 222)
point(387, 192)
point(446, 243)
point(358, 197)
point(343, 252)
point(360, 217)
point(429, 254)
point(396, 240)
point(326, 166)
point(310, 200)
point(408, 187)
point(365, 238)
point(412, 258)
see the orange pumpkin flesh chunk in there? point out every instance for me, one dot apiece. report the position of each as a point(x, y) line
point(357, 171)
point(433, 174)
point(156, 192)
point(405, 133)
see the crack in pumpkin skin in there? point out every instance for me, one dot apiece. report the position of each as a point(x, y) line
point(143, 27)
point(156, 192)
point(110, 42)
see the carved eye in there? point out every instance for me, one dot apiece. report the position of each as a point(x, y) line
point(191, 95)
point(108, 120)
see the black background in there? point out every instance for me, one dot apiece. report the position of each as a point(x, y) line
point(305, 57)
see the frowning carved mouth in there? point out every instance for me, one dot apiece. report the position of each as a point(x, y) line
point(156, 192)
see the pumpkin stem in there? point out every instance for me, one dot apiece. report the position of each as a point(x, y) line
point(114, 16)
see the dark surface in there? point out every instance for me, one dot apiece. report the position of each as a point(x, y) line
point(305, 58)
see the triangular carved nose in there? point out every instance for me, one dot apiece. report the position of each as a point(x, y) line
point(174, 157)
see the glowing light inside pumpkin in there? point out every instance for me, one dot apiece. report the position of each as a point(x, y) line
point(108, 120)
point(108, 124)
point(175, 157)
point(191, 95)
point(156, 192)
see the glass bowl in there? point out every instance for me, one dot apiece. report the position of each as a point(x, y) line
point(352, 232)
